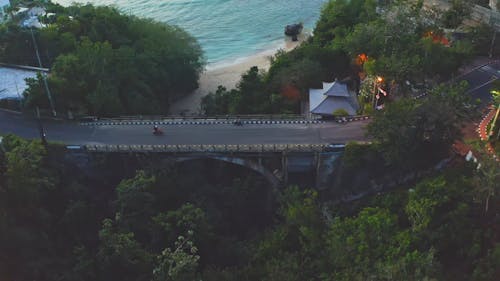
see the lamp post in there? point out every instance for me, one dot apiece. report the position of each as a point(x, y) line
point(376, 82)
point(44, 77)
point(40, 127)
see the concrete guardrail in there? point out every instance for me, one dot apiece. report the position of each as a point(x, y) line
point(208, 148)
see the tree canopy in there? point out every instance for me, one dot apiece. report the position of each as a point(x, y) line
point(108, 220)
point(106, 63)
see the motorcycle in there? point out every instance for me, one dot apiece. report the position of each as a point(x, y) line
point(157, 132)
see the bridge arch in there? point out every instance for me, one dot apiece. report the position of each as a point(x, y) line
point(255, 166)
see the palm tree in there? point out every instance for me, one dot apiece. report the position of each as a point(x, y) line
point(496, 101)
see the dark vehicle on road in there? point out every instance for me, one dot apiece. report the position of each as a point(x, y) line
point(334, 147)
point(157, 131)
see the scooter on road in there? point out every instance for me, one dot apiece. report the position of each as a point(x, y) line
point(157, 131)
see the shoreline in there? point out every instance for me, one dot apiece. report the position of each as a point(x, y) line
point(228, 75)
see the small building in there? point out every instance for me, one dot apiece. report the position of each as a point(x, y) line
point(12, 82)
point(494, 5)
point(4, 4)
point(332, 97)
point(29, 17)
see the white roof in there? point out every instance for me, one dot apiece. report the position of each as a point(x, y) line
point(12, 84)
point(337, 89)
point(327, 86)
point(315, 97)
point(332, 104)
point(37, 11)
point(33, 22)
point(4, 3)
point(21, 10)
point(332, 97)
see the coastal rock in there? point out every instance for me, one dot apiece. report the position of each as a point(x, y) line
point(293, 29)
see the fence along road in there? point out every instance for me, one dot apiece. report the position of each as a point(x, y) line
point(71, 133)
point(200, 148)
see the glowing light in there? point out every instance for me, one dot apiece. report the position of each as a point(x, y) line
point(361, 59)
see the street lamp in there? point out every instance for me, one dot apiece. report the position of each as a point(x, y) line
point(40, 127)
point(378, 80)
point(44, 77)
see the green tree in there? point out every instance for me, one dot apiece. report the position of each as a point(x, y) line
point(179, 264)
point(408, 129)
point(294, 249)
point(105, 63)
point(26, 220)
point(371, 246)
point(339, 16)
point(26, 176)
point(487, 181)
point(218, 102)
point(488, 267)
point(135, 204)
point(188, 218)
point(120, 256)
point(458, 12)
point(440, 212)
point(483, 38)
point(420, 211)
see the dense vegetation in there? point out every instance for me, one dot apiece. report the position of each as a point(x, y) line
point(283, 87)
point(105, 63)
point(131, 217)
point(398, 40)
point(59, 222)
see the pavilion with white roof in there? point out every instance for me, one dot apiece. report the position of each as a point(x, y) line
point(334, 96)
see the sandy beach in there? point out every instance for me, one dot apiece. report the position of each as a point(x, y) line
point(227, 76)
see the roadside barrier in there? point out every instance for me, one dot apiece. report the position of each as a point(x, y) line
point(114, 122)
point(215, 121)
point(208, 148)
point(352, 118)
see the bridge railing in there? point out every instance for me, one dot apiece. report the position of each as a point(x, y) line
point(225, 148)
point(203, 117)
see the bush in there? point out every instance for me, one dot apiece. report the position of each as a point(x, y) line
point(357, 155)
point(340, 112)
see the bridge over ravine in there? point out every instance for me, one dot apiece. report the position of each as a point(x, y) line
point(272, 149)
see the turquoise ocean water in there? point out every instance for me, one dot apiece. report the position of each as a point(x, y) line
point(227, 30)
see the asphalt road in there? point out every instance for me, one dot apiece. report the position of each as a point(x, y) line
point(75, 134)
point(481, 81)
